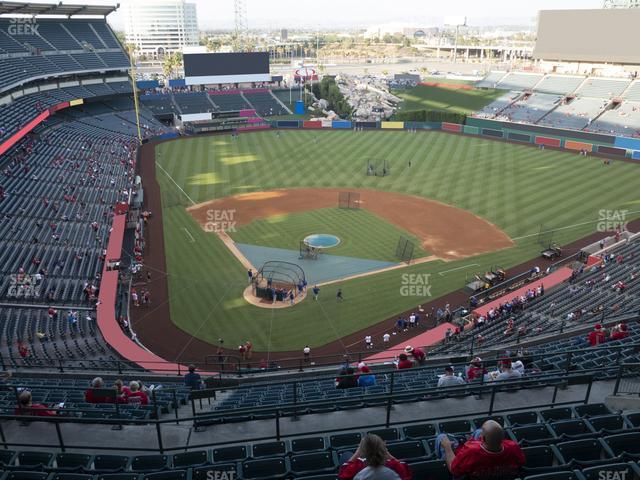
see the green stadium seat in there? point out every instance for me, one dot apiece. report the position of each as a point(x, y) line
point(554, 476)
point(432, 469)
point(423, 430)
point(585, 452)
point(455, 426)
point(171, 475)
point(626, 445)
point(554, 414)
point(345, 440)
point(312, 463)
point(270, 449)
point(72, 460)
point(592, 410)
point(110, 463)
point(310, 444)
point(190, 459)
point(119, 476)
point(607, 423)
point(409, 451)
point(26, 476)
point(230, 454)
point(387, 434)
point(70, 476)
point(149, 463)
point(265, 468)
point(35, 459)
point(523, 418)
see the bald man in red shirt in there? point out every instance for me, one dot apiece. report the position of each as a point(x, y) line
point(489, 456)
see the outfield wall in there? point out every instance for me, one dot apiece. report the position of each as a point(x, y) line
point(577, 141)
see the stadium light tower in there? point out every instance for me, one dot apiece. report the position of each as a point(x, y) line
point(455, 22)
point(241, 21)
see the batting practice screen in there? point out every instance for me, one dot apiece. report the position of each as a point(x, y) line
point(213, 68)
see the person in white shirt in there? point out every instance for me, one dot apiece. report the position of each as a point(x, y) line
point(508, 373)
point(386, 338)
point(368, 342)
point(449, 379)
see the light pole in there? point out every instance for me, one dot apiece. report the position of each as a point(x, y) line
point(455, 22)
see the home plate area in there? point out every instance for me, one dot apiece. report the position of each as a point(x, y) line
point(325, 269)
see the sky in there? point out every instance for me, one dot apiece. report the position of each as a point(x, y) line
point(324, 14)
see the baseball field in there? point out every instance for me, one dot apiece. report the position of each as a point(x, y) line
point(466, 203)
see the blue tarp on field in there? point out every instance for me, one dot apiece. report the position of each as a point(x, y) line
point(326, 268)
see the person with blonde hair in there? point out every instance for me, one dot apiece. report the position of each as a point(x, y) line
point(372, 461)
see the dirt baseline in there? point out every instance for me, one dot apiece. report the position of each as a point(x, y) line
point(448, 232)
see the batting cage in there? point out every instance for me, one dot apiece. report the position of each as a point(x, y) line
point(377, 168)
point(404, 249)
point(349, 200)
point(276, 279)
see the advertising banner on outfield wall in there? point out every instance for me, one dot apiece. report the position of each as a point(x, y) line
point(535, 129)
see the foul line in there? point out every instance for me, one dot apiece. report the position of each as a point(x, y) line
point(458, 268)
point(568, 227)
point(193, 240)
point(174, 182)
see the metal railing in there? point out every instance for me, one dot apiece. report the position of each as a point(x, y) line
point(558, 379)
point(628, 379)
point(494, 389)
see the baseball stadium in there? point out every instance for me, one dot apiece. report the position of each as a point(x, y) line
point(244, 270)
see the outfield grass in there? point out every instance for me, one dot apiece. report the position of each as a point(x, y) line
point(517, 187)
point(446, 99)
point(362, 234)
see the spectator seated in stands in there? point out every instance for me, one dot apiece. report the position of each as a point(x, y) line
point(91, 397)
point(27, 407)
point(193, 379)
point(372, 461)
point(620, 331)
point(475, 370)
point(418, 354)
point(347, 378)
point(366, 378)
point(404, 362)
point(597, 336)
point(121, 391)
point(136, 396)
point(507, 372)
point(486, 455)
point(449, 379)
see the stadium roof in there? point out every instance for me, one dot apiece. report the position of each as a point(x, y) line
point(62, 9)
